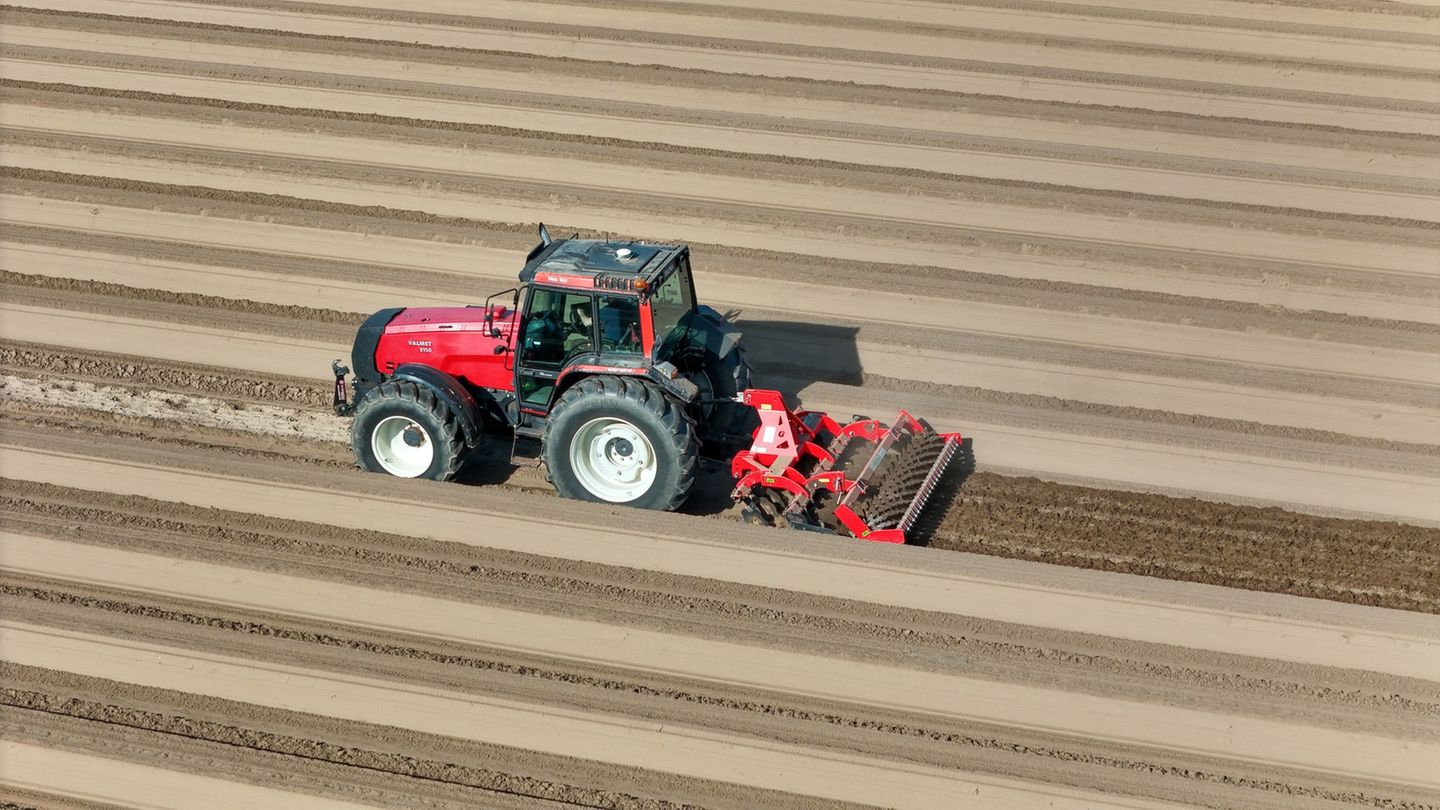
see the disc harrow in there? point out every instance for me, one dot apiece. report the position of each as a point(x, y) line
point(807, 471)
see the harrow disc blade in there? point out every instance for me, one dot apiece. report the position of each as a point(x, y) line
point(766, 507)
point(762, 508)
point(804, 470)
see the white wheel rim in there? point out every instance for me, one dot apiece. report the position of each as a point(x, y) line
point(402, 446)
point(612, 459)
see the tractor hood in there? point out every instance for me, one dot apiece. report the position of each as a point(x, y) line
point(400, 326)
point(460, 319)
point(459, 341)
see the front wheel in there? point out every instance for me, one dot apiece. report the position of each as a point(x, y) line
point(403, 429)
point(620, 440)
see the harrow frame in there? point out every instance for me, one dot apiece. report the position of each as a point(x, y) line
point(788, 440)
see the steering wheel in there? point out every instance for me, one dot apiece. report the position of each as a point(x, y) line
point(577, 319)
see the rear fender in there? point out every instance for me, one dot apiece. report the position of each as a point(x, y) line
point(449, 391)
point(678, 387)
point(722, 336)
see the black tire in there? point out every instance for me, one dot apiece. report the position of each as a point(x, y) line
point(419, 416)
point(624, 404)
point(727, 426)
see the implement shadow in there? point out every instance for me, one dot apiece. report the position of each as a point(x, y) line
point(784, 356)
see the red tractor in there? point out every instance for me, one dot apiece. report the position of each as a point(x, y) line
point(625, 380)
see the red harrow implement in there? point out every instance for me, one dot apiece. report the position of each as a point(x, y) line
point(807, 471)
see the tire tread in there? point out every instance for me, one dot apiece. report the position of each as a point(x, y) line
point(405, 391)
point(679, 426)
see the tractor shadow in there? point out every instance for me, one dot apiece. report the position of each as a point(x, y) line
point(789, 356)
point(491, 463)
point(784, 356)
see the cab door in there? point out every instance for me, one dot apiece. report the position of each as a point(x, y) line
point(559, 325)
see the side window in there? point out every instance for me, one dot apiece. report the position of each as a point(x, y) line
point(619, 324)
point(559, 326)
point(670, 302)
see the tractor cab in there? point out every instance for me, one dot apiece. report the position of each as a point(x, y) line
point(599, 307)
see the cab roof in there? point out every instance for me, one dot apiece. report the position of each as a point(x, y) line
point(588, 258)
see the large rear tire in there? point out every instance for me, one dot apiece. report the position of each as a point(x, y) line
point(621, 440)
point(403, 429)
point(727, 426)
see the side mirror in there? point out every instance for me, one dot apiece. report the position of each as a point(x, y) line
point(544, 235)
point(501, 349)
point(495, 332)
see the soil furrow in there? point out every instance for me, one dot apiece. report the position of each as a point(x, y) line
point(897, 152)
point(125, 753)
point(919, 34)
point(1402, 90)
point(879, 732)
point(1126, 283)
point(452, 271)
point(1063, 181)
point(1384, 22)
point(787, 620)
point(942, 202)
point(70, 719)
point(996, 93)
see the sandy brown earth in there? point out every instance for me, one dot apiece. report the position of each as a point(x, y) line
point(1174, 271)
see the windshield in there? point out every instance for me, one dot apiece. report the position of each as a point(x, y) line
point(672, 301)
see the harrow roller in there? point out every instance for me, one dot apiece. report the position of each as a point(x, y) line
point(865, 479)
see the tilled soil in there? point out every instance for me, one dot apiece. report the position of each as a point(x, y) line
point(1255, 548)
point(1172, 274)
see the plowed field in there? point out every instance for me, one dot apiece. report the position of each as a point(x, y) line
point(1174, 268)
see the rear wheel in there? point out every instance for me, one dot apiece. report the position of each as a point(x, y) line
point(727, 426)
point(401, 428)
point(620, 440)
